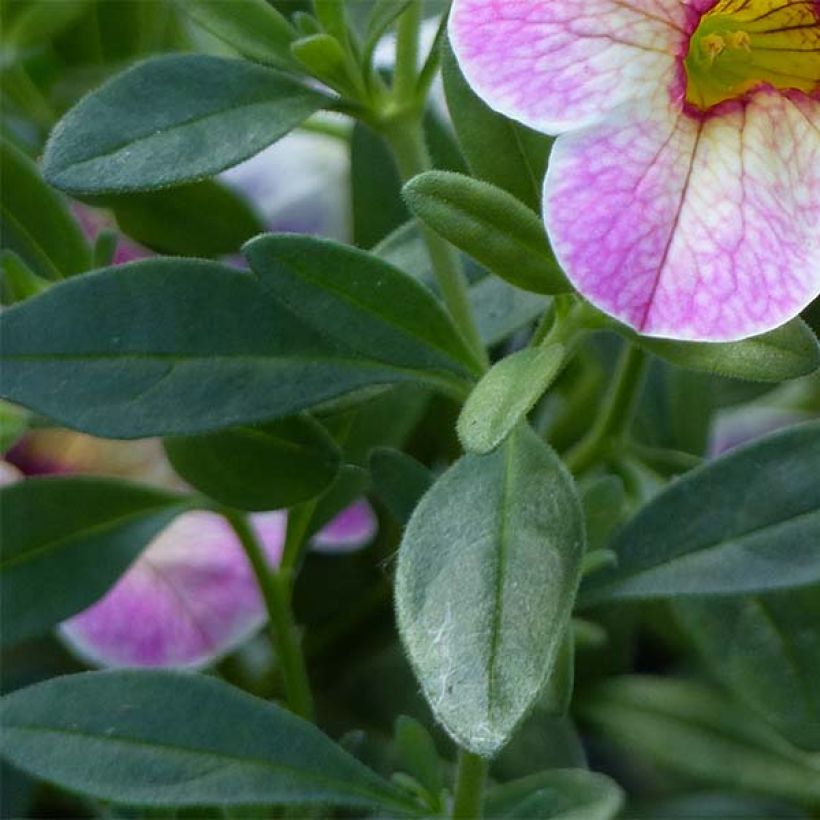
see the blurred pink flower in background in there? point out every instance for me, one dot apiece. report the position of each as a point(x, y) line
point(190, 598)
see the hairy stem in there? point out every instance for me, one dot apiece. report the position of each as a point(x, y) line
point(470, 780)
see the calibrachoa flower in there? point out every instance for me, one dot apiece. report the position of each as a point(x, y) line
point(683, 193)
point(190, 598)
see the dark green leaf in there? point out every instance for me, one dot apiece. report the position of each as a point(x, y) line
point(496, 149)
point(568, 794)
point(747, 522)
point(375, 186)
point(17, 281)
point(202, 219)
point(766, 649)
point(418, 755)
point(179, 347)
point(172, 120)
point(490, 225)
point(65, 542)
point(34, 222)
point(691, 729)
point(150, 738)
point(363, 303)
point(252, 27)
point(505, 395)
point(502, 310)
point(36, 22)
point(486, 578)
point(786, 353)
point(400, 481)
point(264, 467)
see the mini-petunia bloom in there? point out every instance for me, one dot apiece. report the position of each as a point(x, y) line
point(683, 191)
point(191, 597)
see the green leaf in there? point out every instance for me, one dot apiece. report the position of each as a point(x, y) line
point(324, 58)
point(497, 150)
point(375, 187)
point(766, 650)
point(490, 225)
point(505, 395)
point(400, 481)
point(201, 219)
point(418, 755)
point(265, 467)
point(148, 738)
point(179, 347)
point(36, 22)
point(789, 352)
point(34, 222)
point(560, 794)
point(13, 425)
point(691, 729)
point(748, 522)
point(171, 120)
point(65, 542)
point(365, 304)
point(382, 16)
point(485, 583)
point(17, 281)
point(252, 27)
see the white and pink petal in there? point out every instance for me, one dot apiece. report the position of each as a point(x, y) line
point(556, 66)
point(695, 228)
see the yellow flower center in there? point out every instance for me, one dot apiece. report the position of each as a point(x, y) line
point(741, 44)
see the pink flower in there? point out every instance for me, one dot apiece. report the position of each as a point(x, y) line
point(190, 598)
point(683, 193)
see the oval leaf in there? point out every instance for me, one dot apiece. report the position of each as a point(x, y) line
point(266, 467)
point(561, 794)
point(485, 583)
point(490, 225)
point(66, 541)
point(691, 729)
point(173, 119)
point(505, 395)
point(179, 347)
point(34, 222)
point(747, 522)
point(766, 649)
point(789, 352)
point(148, 738)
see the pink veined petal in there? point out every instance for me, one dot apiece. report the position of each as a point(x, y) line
point(701, 229)
point(556, 65)
point(350, 530)
point(188, 599)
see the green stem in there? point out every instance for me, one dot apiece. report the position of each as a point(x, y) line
point(408, 27)
point(407, 142)
point(471, 778)
point(283, 631)
point(612, 424)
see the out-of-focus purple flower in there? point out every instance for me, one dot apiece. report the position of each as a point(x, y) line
point(8, 473)
point(93, 221)
point(190, 598)
point(742, 425)
point(298, 185)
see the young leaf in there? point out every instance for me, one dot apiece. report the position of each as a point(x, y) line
point(179, 347)
point(253, 28)
point(560, 794)
point(690, 729)
point(505, 395)
point(490, 225)
point(171, 120)
point(34, 222)
point(485, 583)
point(766, 650)
point(65, 542)
point(147, 738)
point(263, 467)
point(497, 150)
point(748, 522)
point(201, 219)
point(363, 303)
point(789, 352)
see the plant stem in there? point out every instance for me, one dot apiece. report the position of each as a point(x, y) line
point(470, 780)
point(407, 53)
point(283, 631)
point(406, 139)
point(619, 407)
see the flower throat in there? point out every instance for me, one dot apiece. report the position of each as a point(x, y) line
point(741, 44)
